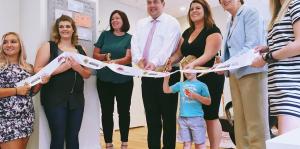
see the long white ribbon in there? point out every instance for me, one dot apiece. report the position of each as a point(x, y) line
point(241, 60)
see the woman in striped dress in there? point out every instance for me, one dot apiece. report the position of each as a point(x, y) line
point(283, 58)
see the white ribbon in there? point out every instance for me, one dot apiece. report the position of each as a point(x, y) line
point(241, 60)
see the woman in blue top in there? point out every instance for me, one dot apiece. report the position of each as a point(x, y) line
point(248, 85)
point(113, 46)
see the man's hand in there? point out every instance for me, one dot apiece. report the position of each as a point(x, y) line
point(150, 66)
point(168, 65)
point(261, 49)
point(141, 63)
point(258, 62)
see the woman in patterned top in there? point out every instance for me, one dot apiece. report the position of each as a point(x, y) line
point(283, 58)
point(16, 106)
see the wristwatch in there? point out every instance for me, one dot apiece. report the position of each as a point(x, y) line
point(268, 57)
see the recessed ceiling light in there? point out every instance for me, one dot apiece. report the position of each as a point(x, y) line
point(182, 8)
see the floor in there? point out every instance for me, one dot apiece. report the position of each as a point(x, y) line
point(138, 140)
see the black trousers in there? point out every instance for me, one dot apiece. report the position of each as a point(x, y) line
point(108, 92)
point(160, 111)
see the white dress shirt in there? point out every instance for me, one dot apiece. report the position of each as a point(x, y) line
point(164, 42)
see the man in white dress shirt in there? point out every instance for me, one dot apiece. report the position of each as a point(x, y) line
point(155, 39)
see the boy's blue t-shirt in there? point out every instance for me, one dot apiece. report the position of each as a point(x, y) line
point(190, 107)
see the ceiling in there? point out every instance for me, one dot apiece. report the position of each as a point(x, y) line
point(172, 7)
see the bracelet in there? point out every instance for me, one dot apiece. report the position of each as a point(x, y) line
point(263, 56)
point(16, 90)
point(271, 55)
point(268, 57)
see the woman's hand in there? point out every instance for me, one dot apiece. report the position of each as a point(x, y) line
point(74, 65)
point(216, 63)
point(23, 90)
point(45, 79)
point(189, 66)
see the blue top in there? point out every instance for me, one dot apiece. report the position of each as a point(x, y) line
point(243, 34)
point(117, 46)
point(190, 107)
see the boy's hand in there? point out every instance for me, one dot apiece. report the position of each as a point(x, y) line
point(187, 92)
point(167, 77)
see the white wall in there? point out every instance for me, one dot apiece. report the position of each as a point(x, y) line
point(9, 16)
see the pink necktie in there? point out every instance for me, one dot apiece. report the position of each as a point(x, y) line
point(149, 39)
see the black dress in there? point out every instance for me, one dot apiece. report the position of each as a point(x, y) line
point(214, 81)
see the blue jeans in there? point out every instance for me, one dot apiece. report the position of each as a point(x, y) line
point(64, 123)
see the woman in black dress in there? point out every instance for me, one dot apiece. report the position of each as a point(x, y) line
point(203, 39)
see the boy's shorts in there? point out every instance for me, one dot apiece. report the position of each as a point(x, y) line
point(192, 129)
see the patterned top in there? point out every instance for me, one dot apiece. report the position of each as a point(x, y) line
point(16, 112)
point(283, 76)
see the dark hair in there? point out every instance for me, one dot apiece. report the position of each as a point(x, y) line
point(55, 33)
point(242, 1)
point(208, 20)
point(162, 1)
point(125, 27)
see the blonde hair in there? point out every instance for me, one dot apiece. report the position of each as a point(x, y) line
point(22, 55)
point(278, 11)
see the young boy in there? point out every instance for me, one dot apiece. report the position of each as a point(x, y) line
point(193, 94)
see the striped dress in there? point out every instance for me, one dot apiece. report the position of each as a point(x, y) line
point(284, 75)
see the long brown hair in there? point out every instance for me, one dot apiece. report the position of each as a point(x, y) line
point(22, 54)
point(208, 20)
point(55, 32)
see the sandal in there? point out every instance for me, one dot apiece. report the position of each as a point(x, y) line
point(109, 146)
point(124, 145)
